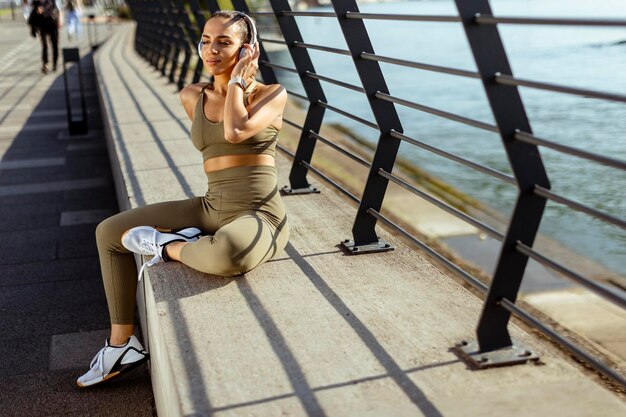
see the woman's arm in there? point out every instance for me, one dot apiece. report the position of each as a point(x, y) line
point(34, 21)
point(241, 123)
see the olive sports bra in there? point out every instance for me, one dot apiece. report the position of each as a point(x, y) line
point(208, 136)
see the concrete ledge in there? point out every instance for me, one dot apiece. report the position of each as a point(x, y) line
point(312, 332)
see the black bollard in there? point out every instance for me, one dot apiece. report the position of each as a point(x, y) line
point(91, 26)
point(76, 125)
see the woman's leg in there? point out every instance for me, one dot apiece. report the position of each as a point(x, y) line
point(44, 49)
point(118, 266)
point(123, 351)
point(236, 248)
point(54, 39)
point(120, 333)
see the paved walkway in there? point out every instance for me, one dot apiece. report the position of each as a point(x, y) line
point(54, 190)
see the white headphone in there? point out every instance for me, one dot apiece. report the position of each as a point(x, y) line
point(251, 28)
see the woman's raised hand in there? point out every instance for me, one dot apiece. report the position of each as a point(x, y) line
point(247, 66)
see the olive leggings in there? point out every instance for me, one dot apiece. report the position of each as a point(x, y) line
point(242, 212)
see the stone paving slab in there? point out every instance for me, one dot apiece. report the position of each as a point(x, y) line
point(46, 187)
point(73, 198)
point(600, 321)
point(28, 216)
point(44, 321)
point(44, 271)
point(50, 393)
point(32, 163)
point(72, 218)
point(14, 361)
point(84, 147)
point(88, 166)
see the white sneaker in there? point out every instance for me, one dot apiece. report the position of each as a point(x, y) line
point(146, 240)
point(112, 361)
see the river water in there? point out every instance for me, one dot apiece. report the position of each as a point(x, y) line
point(586, 57)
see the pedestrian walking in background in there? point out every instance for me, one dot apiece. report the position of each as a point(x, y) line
point(45, 19)
point(25, 9)
point(72, 13)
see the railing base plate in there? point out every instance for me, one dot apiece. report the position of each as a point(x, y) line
point(352, 249)
point(286, 190)
point(512, 355)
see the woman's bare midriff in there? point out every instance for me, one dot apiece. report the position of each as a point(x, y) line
point(230, 161)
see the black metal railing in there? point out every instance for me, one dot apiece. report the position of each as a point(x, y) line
point(163, 27)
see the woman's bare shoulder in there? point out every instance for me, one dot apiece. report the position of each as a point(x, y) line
point(266, 90)
point(189, 97)
point(191, 92)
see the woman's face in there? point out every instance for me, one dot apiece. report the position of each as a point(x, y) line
point(220, 45)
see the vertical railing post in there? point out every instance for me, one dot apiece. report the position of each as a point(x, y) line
point(510, 115)
point(188, 41)
point(163, 31)
point(200, 21)
point(132, 6)
point(166, 24)
point(144, 28)
point(151, 43)
point(139, 15)
point(212, 5)
point(371, 76)
point(178, 38)
point(315, 94)
point(158, 33)
point(137, 10)
point(159, 40)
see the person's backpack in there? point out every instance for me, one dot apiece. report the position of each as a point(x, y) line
point(46, 21)
point(50, 11)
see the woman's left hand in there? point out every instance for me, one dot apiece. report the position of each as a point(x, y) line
point(247, 66)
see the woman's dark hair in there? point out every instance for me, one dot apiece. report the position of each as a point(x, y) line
point(239, 21)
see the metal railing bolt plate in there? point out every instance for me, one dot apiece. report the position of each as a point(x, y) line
point(512, 355)
point(287, 190)
point(352, 249)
